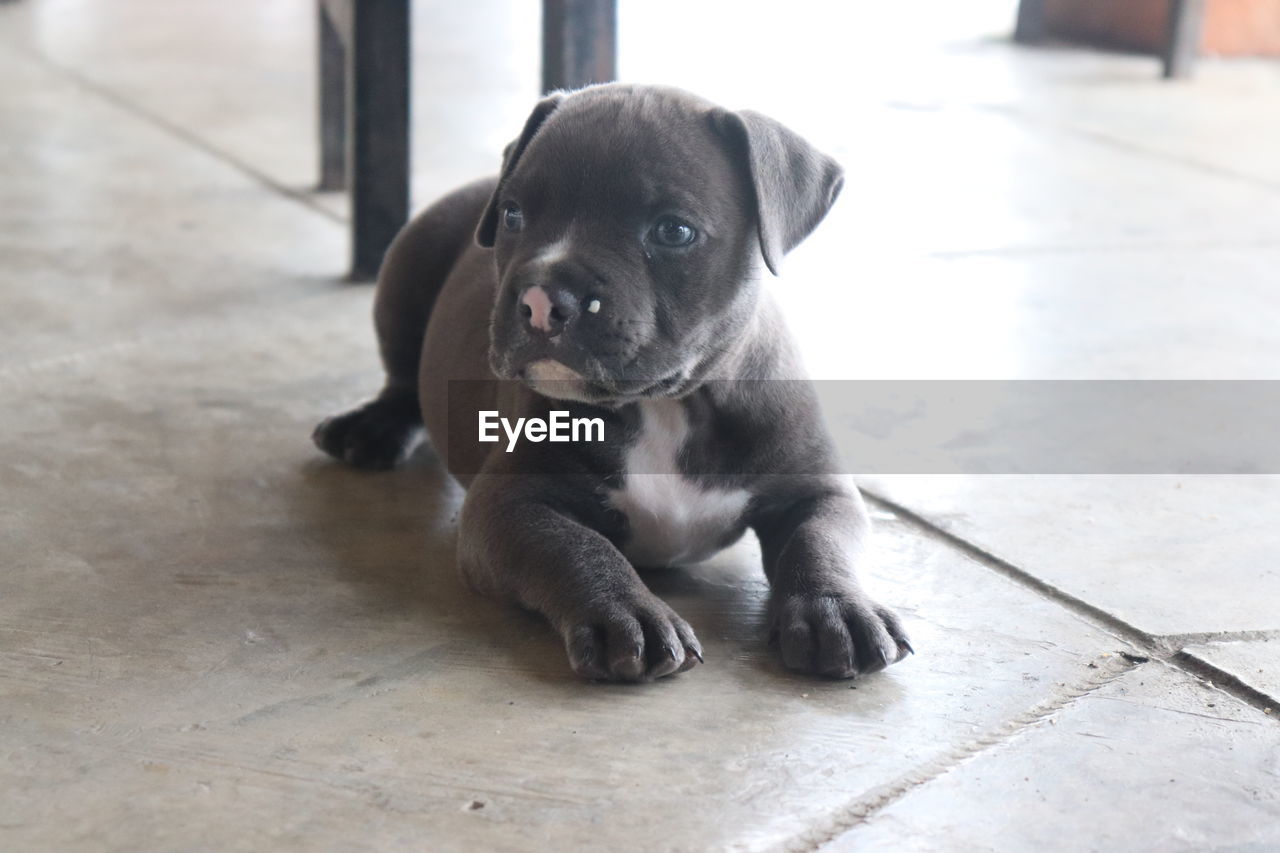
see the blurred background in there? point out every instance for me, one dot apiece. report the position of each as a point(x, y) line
point(979, 170)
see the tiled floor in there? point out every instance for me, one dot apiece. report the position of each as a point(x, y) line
point(212, 638)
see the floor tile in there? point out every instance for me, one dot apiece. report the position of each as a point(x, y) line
point(1168, 555)
point(196, 622)
point(241, 77)
point(1152, 761)
point(963, 179)
point(1122, 314)
point(941, 126)
point(1185, 121)
point(114, 230)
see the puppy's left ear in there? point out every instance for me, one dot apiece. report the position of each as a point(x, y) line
point(795, 184)
point(487, 231)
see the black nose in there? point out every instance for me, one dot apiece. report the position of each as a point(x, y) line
point(547, 310)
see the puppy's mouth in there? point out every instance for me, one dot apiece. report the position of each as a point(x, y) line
point(555, 380)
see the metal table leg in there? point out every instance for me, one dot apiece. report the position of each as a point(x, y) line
point(579, 43)
point(366, 119)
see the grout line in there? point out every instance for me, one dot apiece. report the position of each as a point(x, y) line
point(1177, 641)
point(175, 130)
point(876, 799)
point(1097, 615)
point(1165, 648)
point(1226, 681)
point(1168, 647)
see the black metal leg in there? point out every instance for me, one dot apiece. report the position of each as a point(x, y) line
point(377, 129)
point(1182, 43)
point(333, 106)
point(1030, 23)
point(579, 43)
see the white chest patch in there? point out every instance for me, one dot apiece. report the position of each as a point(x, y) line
point(673, 520)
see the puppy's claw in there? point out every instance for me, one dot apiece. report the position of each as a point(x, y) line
point(697, 653)
point(905, 646)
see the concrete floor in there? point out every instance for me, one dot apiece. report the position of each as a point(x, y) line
point(213, 639)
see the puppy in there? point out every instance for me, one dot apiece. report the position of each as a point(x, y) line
point(612, 273)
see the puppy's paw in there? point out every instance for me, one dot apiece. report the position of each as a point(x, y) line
point(379, 435)
point(631, 639)
point(839, 635)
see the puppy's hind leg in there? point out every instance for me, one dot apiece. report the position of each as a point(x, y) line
point(378, 435)
point(385, 431)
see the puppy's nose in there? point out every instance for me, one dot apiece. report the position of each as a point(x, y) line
point(548, 311)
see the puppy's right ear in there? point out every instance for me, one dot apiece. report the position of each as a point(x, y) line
point(488, 228)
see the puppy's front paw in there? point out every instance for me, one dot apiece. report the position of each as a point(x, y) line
point(380, 434)
point(839, 635)
point(630, 639)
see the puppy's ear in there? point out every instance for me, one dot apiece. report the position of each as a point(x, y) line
point(794, 183)
point(488, 228)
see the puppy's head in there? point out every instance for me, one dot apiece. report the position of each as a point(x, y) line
point(629, 225)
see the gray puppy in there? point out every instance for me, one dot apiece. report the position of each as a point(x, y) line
point(613, 271)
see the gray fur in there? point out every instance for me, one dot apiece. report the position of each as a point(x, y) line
point(590, 173)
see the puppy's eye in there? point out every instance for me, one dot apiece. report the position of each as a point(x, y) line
point(512, 217)
point(671, 232)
